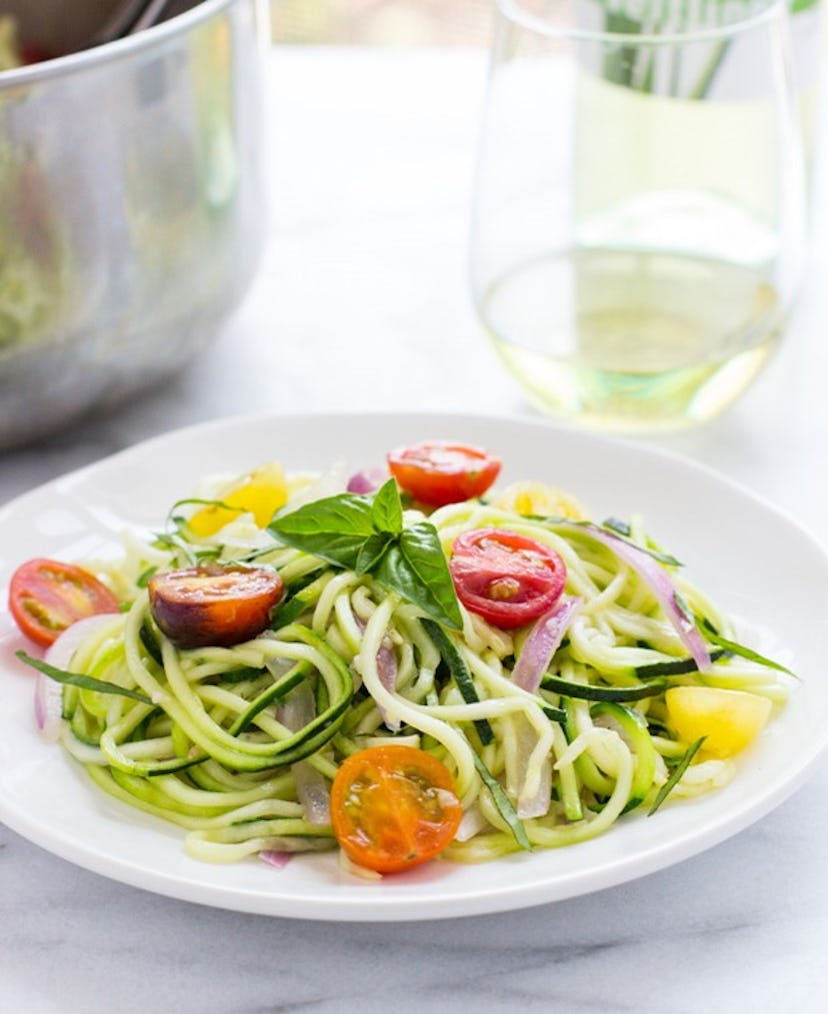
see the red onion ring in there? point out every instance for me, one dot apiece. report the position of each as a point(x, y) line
point(278, 860)
point(542, 642)
point(666, 593)
point(48, 695)
point(311, 788)
point(368, 480)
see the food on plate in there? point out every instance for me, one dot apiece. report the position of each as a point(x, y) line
point(530, 497)
point(437, 472)
point(261, 493)
point(726, 720)
point(406, 664)
point(216, 604)
point(393, 807)
point(506, 578)
point(47, 596)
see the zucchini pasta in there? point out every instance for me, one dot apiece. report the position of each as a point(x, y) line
point(563, 672)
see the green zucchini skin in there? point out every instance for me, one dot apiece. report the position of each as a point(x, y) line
point(632, 726)
point(590, 692)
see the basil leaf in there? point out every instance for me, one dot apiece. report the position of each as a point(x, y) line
point(334, 529)
point(372, 551)
point(416, 567)
point(741, 650)
point(387, 512)
point(366, 534)
point(459, 672)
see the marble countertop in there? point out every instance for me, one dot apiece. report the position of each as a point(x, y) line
point(362, 302)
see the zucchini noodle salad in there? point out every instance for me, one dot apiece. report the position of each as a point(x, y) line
point(405, 663)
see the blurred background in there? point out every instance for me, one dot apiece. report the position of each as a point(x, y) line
point(382, 22)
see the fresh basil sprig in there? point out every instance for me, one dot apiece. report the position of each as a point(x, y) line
point(365, 533)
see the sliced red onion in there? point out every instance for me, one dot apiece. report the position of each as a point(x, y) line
point(537, 805)
point(295, 712)
point(543, 641)
point(312, 792)
point(658, 581)
point(61, 652)
point(387, 672)
point(471, 823)
point(48, 704)
point(297, 709)
point(48, 697)
point(283, 848)
point(368, 480)
point(278, 860)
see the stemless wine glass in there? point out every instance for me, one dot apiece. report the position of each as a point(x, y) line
point(638, 216)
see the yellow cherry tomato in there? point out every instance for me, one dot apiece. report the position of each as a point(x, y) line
point(527, 498)
point(728, 719)
point(261, 494)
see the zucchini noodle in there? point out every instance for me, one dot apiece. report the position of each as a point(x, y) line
point(208, 738)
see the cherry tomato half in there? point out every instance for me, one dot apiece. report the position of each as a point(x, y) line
point(506, 578)
point(438, 472)
point(47, 596)
point(214, 604)
point(393, 807)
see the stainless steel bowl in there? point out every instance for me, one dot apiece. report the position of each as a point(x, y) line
point(132, 202)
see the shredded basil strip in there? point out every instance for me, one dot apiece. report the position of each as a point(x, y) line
point(612, 527)
point(79, 680)
point(617, 525)
point(503, 804)
point(675, 777)
point(734, 648)
point(460, 674)
point(178, 520)
point(143, 579)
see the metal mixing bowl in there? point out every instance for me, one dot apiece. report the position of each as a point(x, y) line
point(131, 202)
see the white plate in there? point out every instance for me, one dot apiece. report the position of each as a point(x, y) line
point(755, 561)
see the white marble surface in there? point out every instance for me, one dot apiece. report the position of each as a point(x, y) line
point(362, 302)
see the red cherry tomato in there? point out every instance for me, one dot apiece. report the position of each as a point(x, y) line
point(437, 472)
point(214, 604)
point(47, 596)
point(506, 578)
point(393, 807)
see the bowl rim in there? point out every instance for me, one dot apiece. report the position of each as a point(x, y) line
point(118, 49)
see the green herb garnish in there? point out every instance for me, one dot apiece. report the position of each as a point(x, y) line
point(76, 679)
point(734, 648)
point(365, 533)
point(460, 674)
point(503, 804)
point(675, 777)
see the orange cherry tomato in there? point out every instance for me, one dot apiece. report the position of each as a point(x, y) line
point(393, 807)
point(438, 472)
point(214, 604)
point(47, 596)
point(507, 578)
